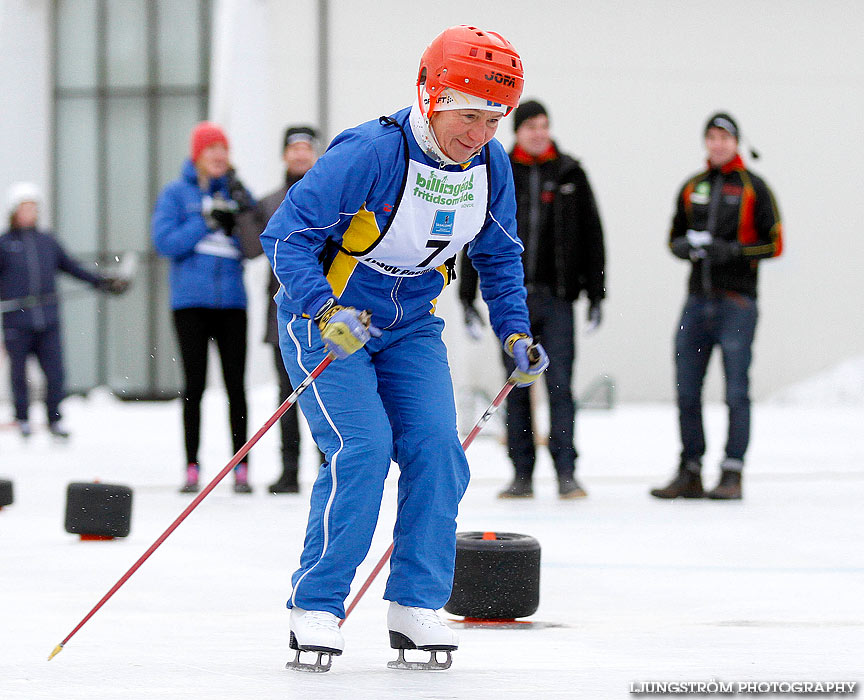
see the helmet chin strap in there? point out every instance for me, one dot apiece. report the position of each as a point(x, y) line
point(421, 127)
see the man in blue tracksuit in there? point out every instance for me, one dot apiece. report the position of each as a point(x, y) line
point(30, 259)
point(374, 226)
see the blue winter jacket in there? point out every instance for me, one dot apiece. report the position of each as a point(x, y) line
point(206, 266)
point(29, 262)
point(345, 203)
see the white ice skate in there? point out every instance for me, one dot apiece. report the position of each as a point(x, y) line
point(419, 628)
point(316, 631)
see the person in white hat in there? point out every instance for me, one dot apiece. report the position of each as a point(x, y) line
point(30, 259)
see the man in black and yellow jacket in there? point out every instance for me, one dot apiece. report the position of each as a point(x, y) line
point(725, 222)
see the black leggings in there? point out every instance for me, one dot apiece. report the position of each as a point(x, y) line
point(195, 328)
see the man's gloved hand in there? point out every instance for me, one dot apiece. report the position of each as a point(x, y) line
point(219, 213)
point(239, 193)
point(681, 247)
point(531, 359)
point(721, 251)
point(473, 321)
point(343, 329)
point(595, 315)
point(113, 285)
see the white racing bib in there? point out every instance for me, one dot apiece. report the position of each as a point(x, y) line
point(438, 214)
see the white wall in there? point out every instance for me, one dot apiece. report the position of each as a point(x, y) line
point(25, 96)
point(629, 85)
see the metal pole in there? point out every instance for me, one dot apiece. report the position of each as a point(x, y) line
point(324, 70)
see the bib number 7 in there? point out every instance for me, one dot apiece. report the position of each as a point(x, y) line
point(438, 246)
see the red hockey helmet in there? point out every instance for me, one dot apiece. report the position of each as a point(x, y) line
point(479, 63)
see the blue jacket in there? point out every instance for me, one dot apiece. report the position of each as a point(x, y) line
point(344, 204)
point(29, 262)
point(206, 267)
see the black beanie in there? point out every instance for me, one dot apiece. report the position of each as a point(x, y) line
point(526, 110)
point(721, 120)
point(293, 134)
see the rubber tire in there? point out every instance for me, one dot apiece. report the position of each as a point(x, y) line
point(495, 579)
point(104, 510)
point(6, 493)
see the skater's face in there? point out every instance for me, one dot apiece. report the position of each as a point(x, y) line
point(533, 135)
point(461, 133)
point(299, 157)
point(213, 161)
point(721, 146)
point(27, 215)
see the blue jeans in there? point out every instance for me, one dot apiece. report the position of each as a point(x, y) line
point(551, 323)
point(728, 320)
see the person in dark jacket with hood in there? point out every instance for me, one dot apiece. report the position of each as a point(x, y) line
point(193, 225)
point(564, 256)
point(30, 259)
point(299, 152)
point(726, 221)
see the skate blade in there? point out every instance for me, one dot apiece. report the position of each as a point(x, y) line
point(433, 664)
point(318, 666)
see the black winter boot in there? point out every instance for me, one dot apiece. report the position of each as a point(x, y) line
point(569, 488)
point(728, 488)
point(286, 483)
point(686, 484)
point(520, 488)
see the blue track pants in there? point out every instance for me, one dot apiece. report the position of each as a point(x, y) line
point(391, 399)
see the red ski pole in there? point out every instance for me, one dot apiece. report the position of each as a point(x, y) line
point(235, 460)
point(496, 402)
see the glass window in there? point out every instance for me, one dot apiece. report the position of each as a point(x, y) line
point(179, 55)
point(130, 86)
point(126, 58)
point(126, 332)
point(76, 43)
point(177, 117)
point(77, 174)
point(80, 327)
point(127, 147)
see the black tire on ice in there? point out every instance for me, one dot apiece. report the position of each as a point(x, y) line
point(497, 578)
point(103, 510)
point(6, 495)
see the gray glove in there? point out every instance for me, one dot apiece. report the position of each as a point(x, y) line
point(721, 251)
point(681, 247)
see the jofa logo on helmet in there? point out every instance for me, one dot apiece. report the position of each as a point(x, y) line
point(507, 80)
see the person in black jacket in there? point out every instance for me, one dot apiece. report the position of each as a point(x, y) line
point(299, 152)
point(726, 221)
point(30, 259)
point(563, 256)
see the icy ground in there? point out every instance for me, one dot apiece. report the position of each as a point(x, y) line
point(771, 588)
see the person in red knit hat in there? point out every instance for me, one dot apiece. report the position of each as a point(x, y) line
point(196, 225)
point(203, 136)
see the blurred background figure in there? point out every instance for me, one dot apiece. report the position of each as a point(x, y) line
point(726, 221)
point(193, 225)
point(563, 257)
point(30, 259)
point(300, 150)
